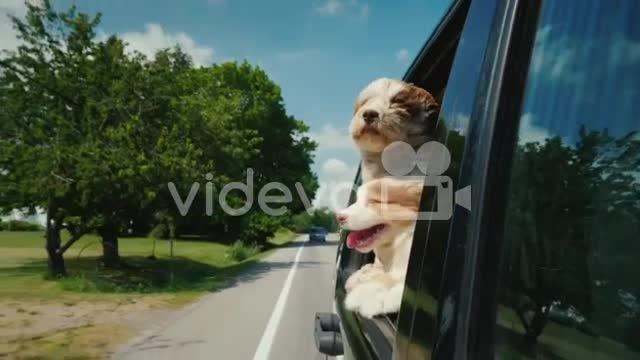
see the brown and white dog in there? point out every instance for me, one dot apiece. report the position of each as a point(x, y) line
point(381, 220)
point(390, 110)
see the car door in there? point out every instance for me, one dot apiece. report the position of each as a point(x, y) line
point(542, 265)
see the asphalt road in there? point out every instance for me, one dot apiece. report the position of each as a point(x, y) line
point(266, 313)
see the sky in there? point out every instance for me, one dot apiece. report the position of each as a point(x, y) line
point(320, 52)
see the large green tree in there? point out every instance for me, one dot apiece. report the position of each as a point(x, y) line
point(237, 116)
point(84, 131)
point(94, 135)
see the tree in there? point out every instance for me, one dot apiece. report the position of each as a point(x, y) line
point(234, 113)
point(556, 252)
point(323, 217)
point(94, 134)
point(84, 131)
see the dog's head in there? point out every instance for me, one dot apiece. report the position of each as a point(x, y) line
point(390, 110)
point(383, 209)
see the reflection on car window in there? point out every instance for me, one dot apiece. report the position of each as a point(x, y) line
point(569, 284)
point(427, 257)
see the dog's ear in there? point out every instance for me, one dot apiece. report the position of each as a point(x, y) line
point(419, 102)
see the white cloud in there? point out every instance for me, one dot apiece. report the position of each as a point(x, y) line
point(555, 56)
point(336, 7)
point(529, 132)
point(558, 57)
point(337, 172)
point(332, 138)
point(335, 168)
point(459, 122)
point(8, 39)
point(330, 7)
point(623, 51)
point(364, 10)
point(336, 180)
point(154, 38)
point(402, 55)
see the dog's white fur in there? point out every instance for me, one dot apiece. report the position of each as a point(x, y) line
point(406, 113)
point(377, 288)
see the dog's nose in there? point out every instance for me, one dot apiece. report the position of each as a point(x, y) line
point(341, 218)
point(370, 116)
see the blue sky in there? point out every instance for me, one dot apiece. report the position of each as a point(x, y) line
point(320, 52)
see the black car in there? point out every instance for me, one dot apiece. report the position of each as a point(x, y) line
point(317, 234)
point(541, 114)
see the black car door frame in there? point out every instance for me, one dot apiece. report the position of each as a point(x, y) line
point(471, 264)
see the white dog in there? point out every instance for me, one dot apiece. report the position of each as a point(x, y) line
point(381, 220)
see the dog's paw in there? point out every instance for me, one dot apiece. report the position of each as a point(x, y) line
point(353, 300)
point(352, 282)
point(372, 307)
point(362, 294)
point(361, 276)
point(367, 299)
point(393, 299)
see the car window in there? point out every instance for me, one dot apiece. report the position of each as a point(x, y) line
point(424, 279)
point(569, 286)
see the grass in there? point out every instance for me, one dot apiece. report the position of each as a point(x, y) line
point(196, 266)
point(555, 343)
point(159, 282)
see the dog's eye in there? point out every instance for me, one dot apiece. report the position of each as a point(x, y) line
point(374, 201)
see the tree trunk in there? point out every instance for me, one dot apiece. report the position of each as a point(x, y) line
point(55, 259)
point(110, 253)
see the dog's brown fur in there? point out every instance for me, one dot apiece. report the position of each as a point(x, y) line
point(406, 113)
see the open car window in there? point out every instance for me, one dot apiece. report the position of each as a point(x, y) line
point(430, 71)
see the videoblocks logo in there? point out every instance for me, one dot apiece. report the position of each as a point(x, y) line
point(427, 164)
point(399, 160)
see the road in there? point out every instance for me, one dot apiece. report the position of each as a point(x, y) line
point(266, 313)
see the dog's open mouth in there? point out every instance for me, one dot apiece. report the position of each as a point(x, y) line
point(364, 238)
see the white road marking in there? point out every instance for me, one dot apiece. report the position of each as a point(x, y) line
point(264, 347)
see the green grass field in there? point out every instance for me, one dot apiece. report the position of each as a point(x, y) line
point(87, 314)
point(196, 266)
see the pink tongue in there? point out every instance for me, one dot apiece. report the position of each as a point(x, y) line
point(358, 237)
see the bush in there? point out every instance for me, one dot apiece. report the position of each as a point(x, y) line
point(323, 217)
point(300, 223)
point(258, 227)
point(239, 251)
point(20, 225)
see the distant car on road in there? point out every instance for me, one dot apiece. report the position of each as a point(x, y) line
point(317, 233)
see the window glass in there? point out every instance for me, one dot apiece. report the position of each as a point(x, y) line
point(430, 242)
point(569, 284)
